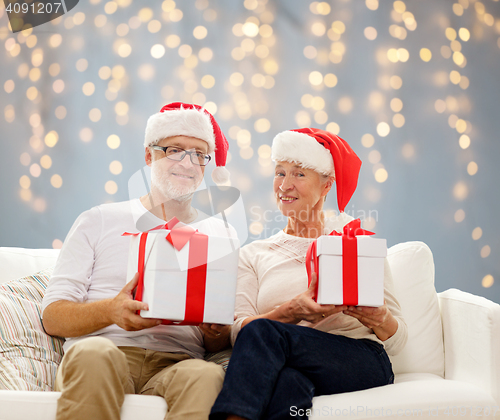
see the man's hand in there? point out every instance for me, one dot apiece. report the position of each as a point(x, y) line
point(123, 309)
point(216, 336)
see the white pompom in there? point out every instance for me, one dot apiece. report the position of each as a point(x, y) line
point(220, 175)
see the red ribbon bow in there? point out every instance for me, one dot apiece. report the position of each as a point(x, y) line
point(349, 261)
point(178, 237)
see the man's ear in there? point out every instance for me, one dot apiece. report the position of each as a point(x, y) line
point(148, 157)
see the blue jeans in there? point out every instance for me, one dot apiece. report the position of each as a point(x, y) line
point(276, 369)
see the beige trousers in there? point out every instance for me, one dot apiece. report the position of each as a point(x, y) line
point(95, 375)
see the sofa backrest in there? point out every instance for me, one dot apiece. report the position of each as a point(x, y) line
point(412, 267)
point(21, 262)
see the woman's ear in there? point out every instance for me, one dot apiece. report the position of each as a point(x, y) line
point(328, 184)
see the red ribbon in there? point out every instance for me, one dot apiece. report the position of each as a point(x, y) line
point(349, 261)
point(197, 268)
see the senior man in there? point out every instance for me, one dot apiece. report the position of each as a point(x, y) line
point(109, 349)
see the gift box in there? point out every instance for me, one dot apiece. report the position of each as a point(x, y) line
point(350, 267)
point(185, 276)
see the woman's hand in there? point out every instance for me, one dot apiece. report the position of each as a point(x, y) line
point(303, 306)
point(379, 319)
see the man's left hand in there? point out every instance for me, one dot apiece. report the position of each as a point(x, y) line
point(216, 336)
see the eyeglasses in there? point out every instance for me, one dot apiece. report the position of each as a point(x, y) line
point(177, 154)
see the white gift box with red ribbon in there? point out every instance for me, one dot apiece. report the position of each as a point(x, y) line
point(350, 267)
point(187, 277)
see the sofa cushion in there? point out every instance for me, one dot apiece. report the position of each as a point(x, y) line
point(415, 396)
point(412, 267)
point(20, 262)
point(28, 356)
point(22, 405)
point(221, 358)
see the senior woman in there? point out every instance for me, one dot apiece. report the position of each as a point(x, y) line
point(289, 348)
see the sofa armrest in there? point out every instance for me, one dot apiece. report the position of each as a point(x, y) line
point(471, 330)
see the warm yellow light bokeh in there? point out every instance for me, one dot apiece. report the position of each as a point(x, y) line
point(396, 104)
point(51, 138)
point(381, 175)
point(451, 34)
point(346, 105)
point(370, 33)
point(383, 129)
point(111, 187)
point(115, 167)
point(425, 54)
point(264, 151)
point(477, 233)
point(56, 181)
point(46, 161)
point(246, 153)
point(172, 41)
point(315, 78)
point(371, 4)
point(487, 281)
point(472, 168)
point(367, 140)
point(396, 82)
point(200, 32)
point(330, 80)
point(459, 216)
point(113, 141)
point(86, 134)
point(121, 108)
point(460, 191)
point(262, 125)
point(398, 120)
point(464, 141)
point(25, 182)
point(157, 51)
point(333, 127)
point(88, 89)
point(35, 170)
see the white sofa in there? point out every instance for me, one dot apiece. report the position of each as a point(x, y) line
point(449, 368)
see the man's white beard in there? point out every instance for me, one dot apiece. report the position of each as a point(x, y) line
point(165, 183)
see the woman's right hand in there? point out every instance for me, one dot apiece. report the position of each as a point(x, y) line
point(304, 307)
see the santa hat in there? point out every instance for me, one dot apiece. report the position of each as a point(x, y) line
point(323, 152)
point(178, 119)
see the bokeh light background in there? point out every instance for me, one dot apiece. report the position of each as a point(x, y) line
point(412, 85)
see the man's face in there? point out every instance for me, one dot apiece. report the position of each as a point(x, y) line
point(176, 180)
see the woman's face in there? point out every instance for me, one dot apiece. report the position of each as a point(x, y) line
point(299, 191)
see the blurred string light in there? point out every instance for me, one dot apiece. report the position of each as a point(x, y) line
point(402, 22)
point(454, 51)
point(249, 87)
point(394, 55)
point(328, 51)
point(255, 39)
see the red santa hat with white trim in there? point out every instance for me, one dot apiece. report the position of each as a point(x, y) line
point(323, 152)
point(179, 119)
